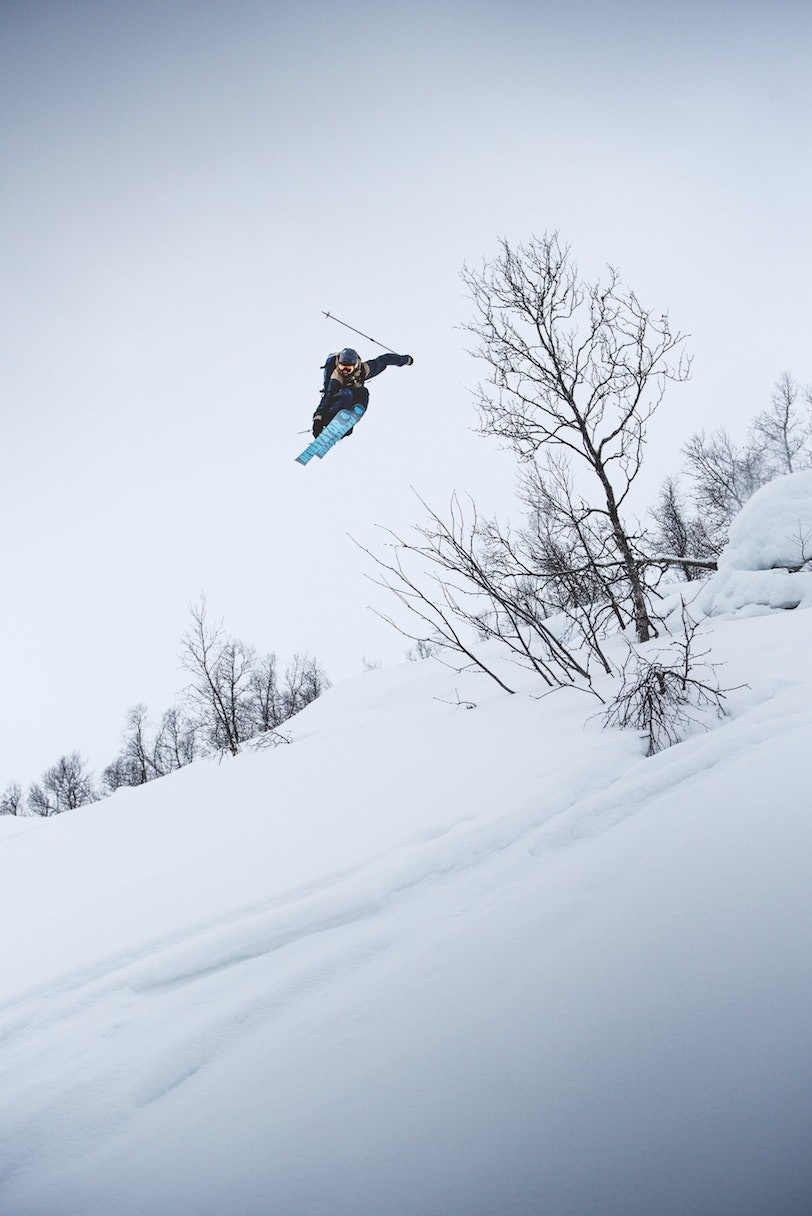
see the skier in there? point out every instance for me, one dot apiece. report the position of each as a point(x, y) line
point(344, 383)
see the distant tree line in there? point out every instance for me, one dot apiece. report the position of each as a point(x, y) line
point(234, 695)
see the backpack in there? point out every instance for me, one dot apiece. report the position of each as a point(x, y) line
point(329, 367)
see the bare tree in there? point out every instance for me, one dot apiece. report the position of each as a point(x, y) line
point(135, 764)
point(220, 693)
point(420, 651)
point(784, 430)
point(147, 755)
point(12, 801)
point(175, 743)
point(664, 692)
point(568, 549)
point(118, 775)
point(267, 696)
point(580, 367)
point(575, 373)
point(681, 539)
point(724, 477)
point(305, 680)
point(474, 584)
point(235, 696)
point(137, 750)
point(64, 787)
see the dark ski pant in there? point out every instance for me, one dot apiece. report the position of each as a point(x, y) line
point(344, 399)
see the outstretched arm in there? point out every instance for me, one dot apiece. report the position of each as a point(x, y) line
point(377, 365)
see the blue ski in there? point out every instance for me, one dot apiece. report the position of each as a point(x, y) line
point(335, 430)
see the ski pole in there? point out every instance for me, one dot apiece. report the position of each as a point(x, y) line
point(330, 316)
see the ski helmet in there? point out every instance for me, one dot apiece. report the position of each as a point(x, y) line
point(349, 357)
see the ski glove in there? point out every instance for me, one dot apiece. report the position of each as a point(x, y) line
point(409, 361)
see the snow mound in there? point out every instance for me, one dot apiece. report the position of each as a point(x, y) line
point(767, 563)
point(774, 529)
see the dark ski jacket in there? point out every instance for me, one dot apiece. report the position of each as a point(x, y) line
point(336, 383)
point(343, 391)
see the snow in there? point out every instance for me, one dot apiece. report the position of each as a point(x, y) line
point(437, 960)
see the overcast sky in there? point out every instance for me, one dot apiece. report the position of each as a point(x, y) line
point(186, 186)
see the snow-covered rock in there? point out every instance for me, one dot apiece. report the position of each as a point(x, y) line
point(767, 563)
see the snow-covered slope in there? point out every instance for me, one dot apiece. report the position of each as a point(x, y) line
point(428, 959)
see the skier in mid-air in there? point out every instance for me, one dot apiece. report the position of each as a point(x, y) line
point(344, 383)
